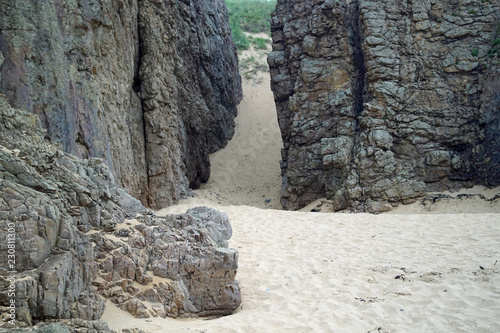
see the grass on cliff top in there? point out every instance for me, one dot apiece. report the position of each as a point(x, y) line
point(251, 16)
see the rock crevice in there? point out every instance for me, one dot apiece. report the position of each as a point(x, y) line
point(359, 83)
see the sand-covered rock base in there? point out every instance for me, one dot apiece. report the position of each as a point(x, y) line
point(314, 272)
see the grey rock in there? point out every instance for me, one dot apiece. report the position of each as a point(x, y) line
point(379, 102)
point(189, 251)
point(72, 245)
point(150, 87)
point(65, 326)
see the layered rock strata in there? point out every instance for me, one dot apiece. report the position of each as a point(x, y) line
point(381, 101)
point(149, 86)
point(72, 242)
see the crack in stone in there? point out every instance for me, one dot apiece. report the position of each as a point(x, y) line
point(355, 40)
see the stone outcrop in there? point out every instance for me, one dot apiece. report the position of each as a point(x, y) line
point(72, 241)
point(174, 266)
point(190, 86)
point(381, 101)
point(69, 326)
point(151, 87)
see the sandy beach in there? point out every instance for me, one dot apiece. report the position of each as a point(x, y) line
point(315, 272)
point(419, 268)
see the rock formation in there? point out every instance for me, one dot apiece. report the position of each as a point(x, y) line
point(150, 86)
point(72, 241)
point(381, 101)
point(174, 266)
point(70, 326)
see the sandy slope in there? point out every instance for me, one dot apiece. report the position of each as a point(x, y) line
point(317, 272)
point(247, 170)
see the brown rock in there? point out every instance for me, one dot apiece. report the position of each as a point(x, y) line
point(136, 308)
point(381, 101)
point(149, 87)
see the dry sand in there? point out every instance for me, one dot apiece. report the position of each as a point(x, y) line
point(317, 272)
point(247, 170)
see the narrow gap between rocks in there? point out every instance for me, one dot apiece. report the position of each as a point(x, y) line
point(247, 170)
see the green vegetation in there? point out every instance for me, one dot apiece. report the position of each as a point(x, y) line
point(251, 16)
point(240, 39)
point(247, 62)
point(252, 62)
point(250, 66)
point(474, 52)
point(260, 43)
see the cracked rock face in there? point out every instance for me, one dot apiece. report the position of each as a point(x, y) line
point(190, 87)
point(381, 101)
point(174, 266)
point(72, 242)
point(149, 86)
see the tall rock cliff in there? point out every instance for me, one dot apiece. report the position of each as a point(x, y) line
point(150, 86)
point(381, 101)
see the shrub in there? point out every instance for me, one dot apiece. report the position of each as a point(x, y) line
point(474, 52)
point(260, 43)
point(251, 15)
point(240, 39)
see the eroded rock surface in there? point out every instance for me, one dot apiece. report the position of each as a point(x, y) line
point(71, 243)
point(381, 101)
point(174, 266)
point(68, 326)
point(149, 86)
point(190, 86)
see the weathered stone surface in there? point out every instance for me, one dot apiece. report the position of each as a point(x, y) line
point(72, 244)
point(192, 271)
point(73, 63)
point(381, 101)
point(65, 326)
point(41, 191)
point(151, 87)
point(190, 87)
